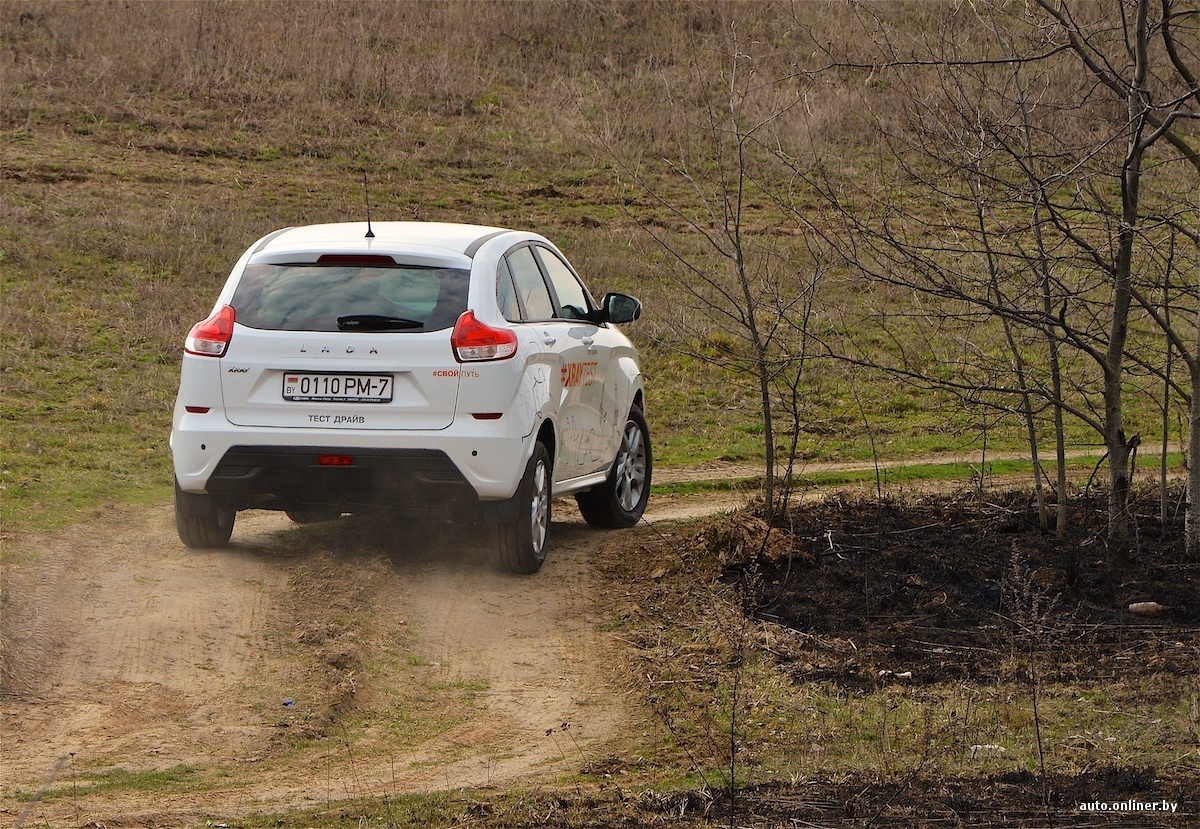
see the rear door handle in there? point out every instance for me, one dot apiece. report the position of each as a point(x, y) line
point(590, 343)
point(548, 339)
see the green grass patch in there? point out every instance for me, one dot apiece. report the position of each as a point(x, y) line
point(894, 473)
point(166, 781)
point(701, 487)
point(497, 810)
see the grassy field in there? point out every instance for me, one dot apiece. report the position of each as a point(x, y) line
point(146, 146)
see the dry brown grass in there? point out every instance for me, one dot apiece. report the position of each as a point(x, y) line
point(147, 143)
point(306, 70)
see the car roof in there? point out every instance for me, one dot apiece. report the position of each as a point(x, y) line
point(434, 239)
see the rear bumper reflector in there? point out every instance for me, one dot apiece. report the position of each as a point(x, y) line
point(335, 460)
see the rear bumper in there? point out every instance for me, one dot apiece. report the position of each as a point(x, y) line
point(486, 458)
point(418, 481)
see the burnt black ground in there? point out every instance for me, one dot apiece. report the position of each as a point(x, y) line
point(955, 590)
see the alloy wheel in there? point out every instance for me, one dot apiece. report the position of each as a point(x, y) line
point(631, 467)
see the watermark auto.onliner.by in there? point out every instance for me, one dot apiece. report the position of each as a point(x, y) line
point(1167, 806)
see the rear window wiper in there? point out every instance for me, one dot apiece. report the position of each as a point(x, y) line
point(375, 322)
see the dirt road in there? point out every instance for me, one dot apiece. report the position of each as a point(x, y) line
point(295, 668)
point(300, 666)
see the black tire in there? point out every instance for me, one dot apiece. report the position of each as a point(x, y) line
point(522, 542)
point(620, 501)
point(200, 521)
point(313, 515)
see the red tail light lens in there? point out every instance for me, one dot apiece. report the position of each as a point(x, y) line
point(211, 337)
point(364, 259)
point(473, 341)
point(335, 460)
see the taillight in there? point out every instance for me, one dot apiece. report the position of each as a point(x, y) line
point(211, 337)
point(473, 341)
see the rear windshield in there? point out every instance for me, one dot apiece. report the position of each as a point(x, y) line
point(315, 297)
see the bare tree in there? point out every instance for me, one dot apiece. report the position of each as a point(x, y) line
point(1030, 191)
point(1161, 97)
point(749, 282)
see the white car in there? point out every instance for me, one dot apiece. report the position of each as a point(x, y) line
point(439, 369)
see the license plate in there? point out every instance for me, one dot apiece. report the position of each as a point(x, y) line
point(337, 388)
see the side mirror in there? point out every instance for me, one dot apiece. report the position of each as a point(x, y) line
point(620, 308)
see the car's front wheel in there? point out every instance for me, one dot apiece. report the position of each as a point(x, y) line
point(200, 521)
point(522, 541)
point(620, 501)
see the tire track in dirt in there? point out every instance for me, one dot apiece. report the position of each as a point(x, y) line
point(536, 654)
point(141, 653)
point(123, 650)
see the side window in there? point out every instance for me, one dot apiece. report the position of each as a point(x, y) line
point(531, 288)
point(572, 297)
point(506, 293)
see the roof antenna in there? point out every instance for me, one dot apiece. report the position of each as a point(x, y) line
point(367, 199)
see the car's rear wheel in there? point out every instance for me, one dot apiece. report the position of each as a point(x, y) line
point(522, 541)
point(200, 521)
point(621, 499)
